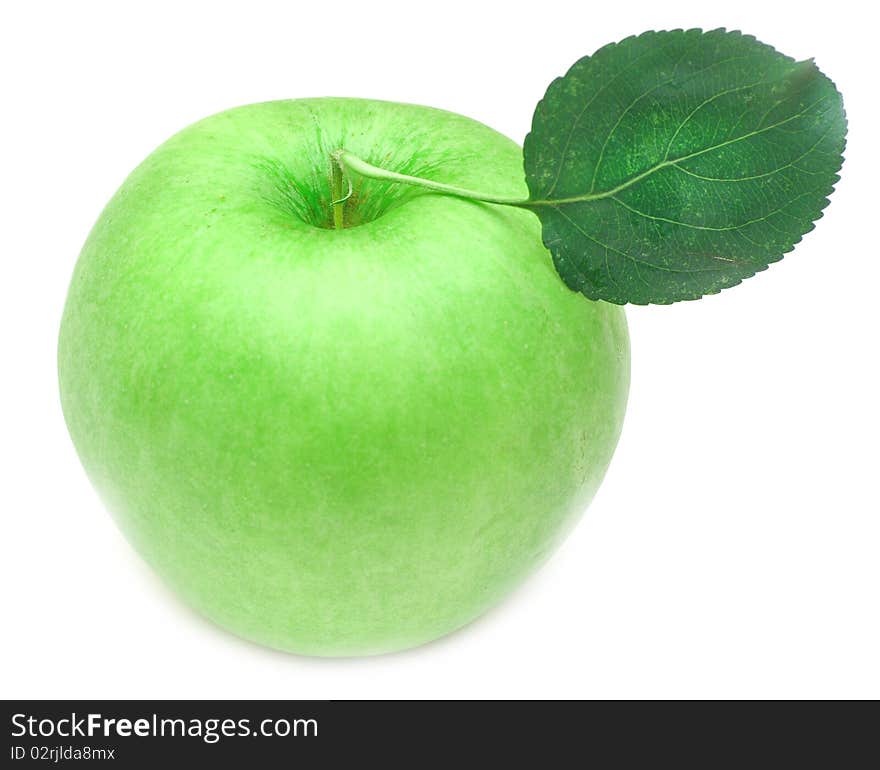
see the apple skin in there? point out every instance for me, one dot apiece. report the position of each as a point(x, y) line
point(336, 442)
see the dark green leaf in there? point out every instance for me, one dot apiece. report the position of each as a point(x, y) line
point(675, 164)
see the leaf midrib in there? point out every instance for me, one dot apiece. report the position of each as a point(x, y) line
point(586, 197)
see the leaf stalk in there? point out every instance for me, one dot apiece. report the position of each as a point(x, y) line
point(346, 160)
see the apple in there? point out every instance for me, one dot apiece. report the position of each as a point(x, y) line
point(336, 440)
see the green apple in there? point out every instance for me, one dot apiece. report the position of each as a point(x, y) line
point(336, 440)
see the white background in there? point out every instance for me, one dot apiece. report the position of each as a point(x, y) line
point(734, 548)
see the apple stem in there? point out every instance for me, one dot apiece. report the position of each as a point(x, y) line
point(345, 160)
point(337, 181)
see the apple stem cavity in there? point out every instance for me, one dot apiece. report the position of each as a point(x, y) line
point(345, 161)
